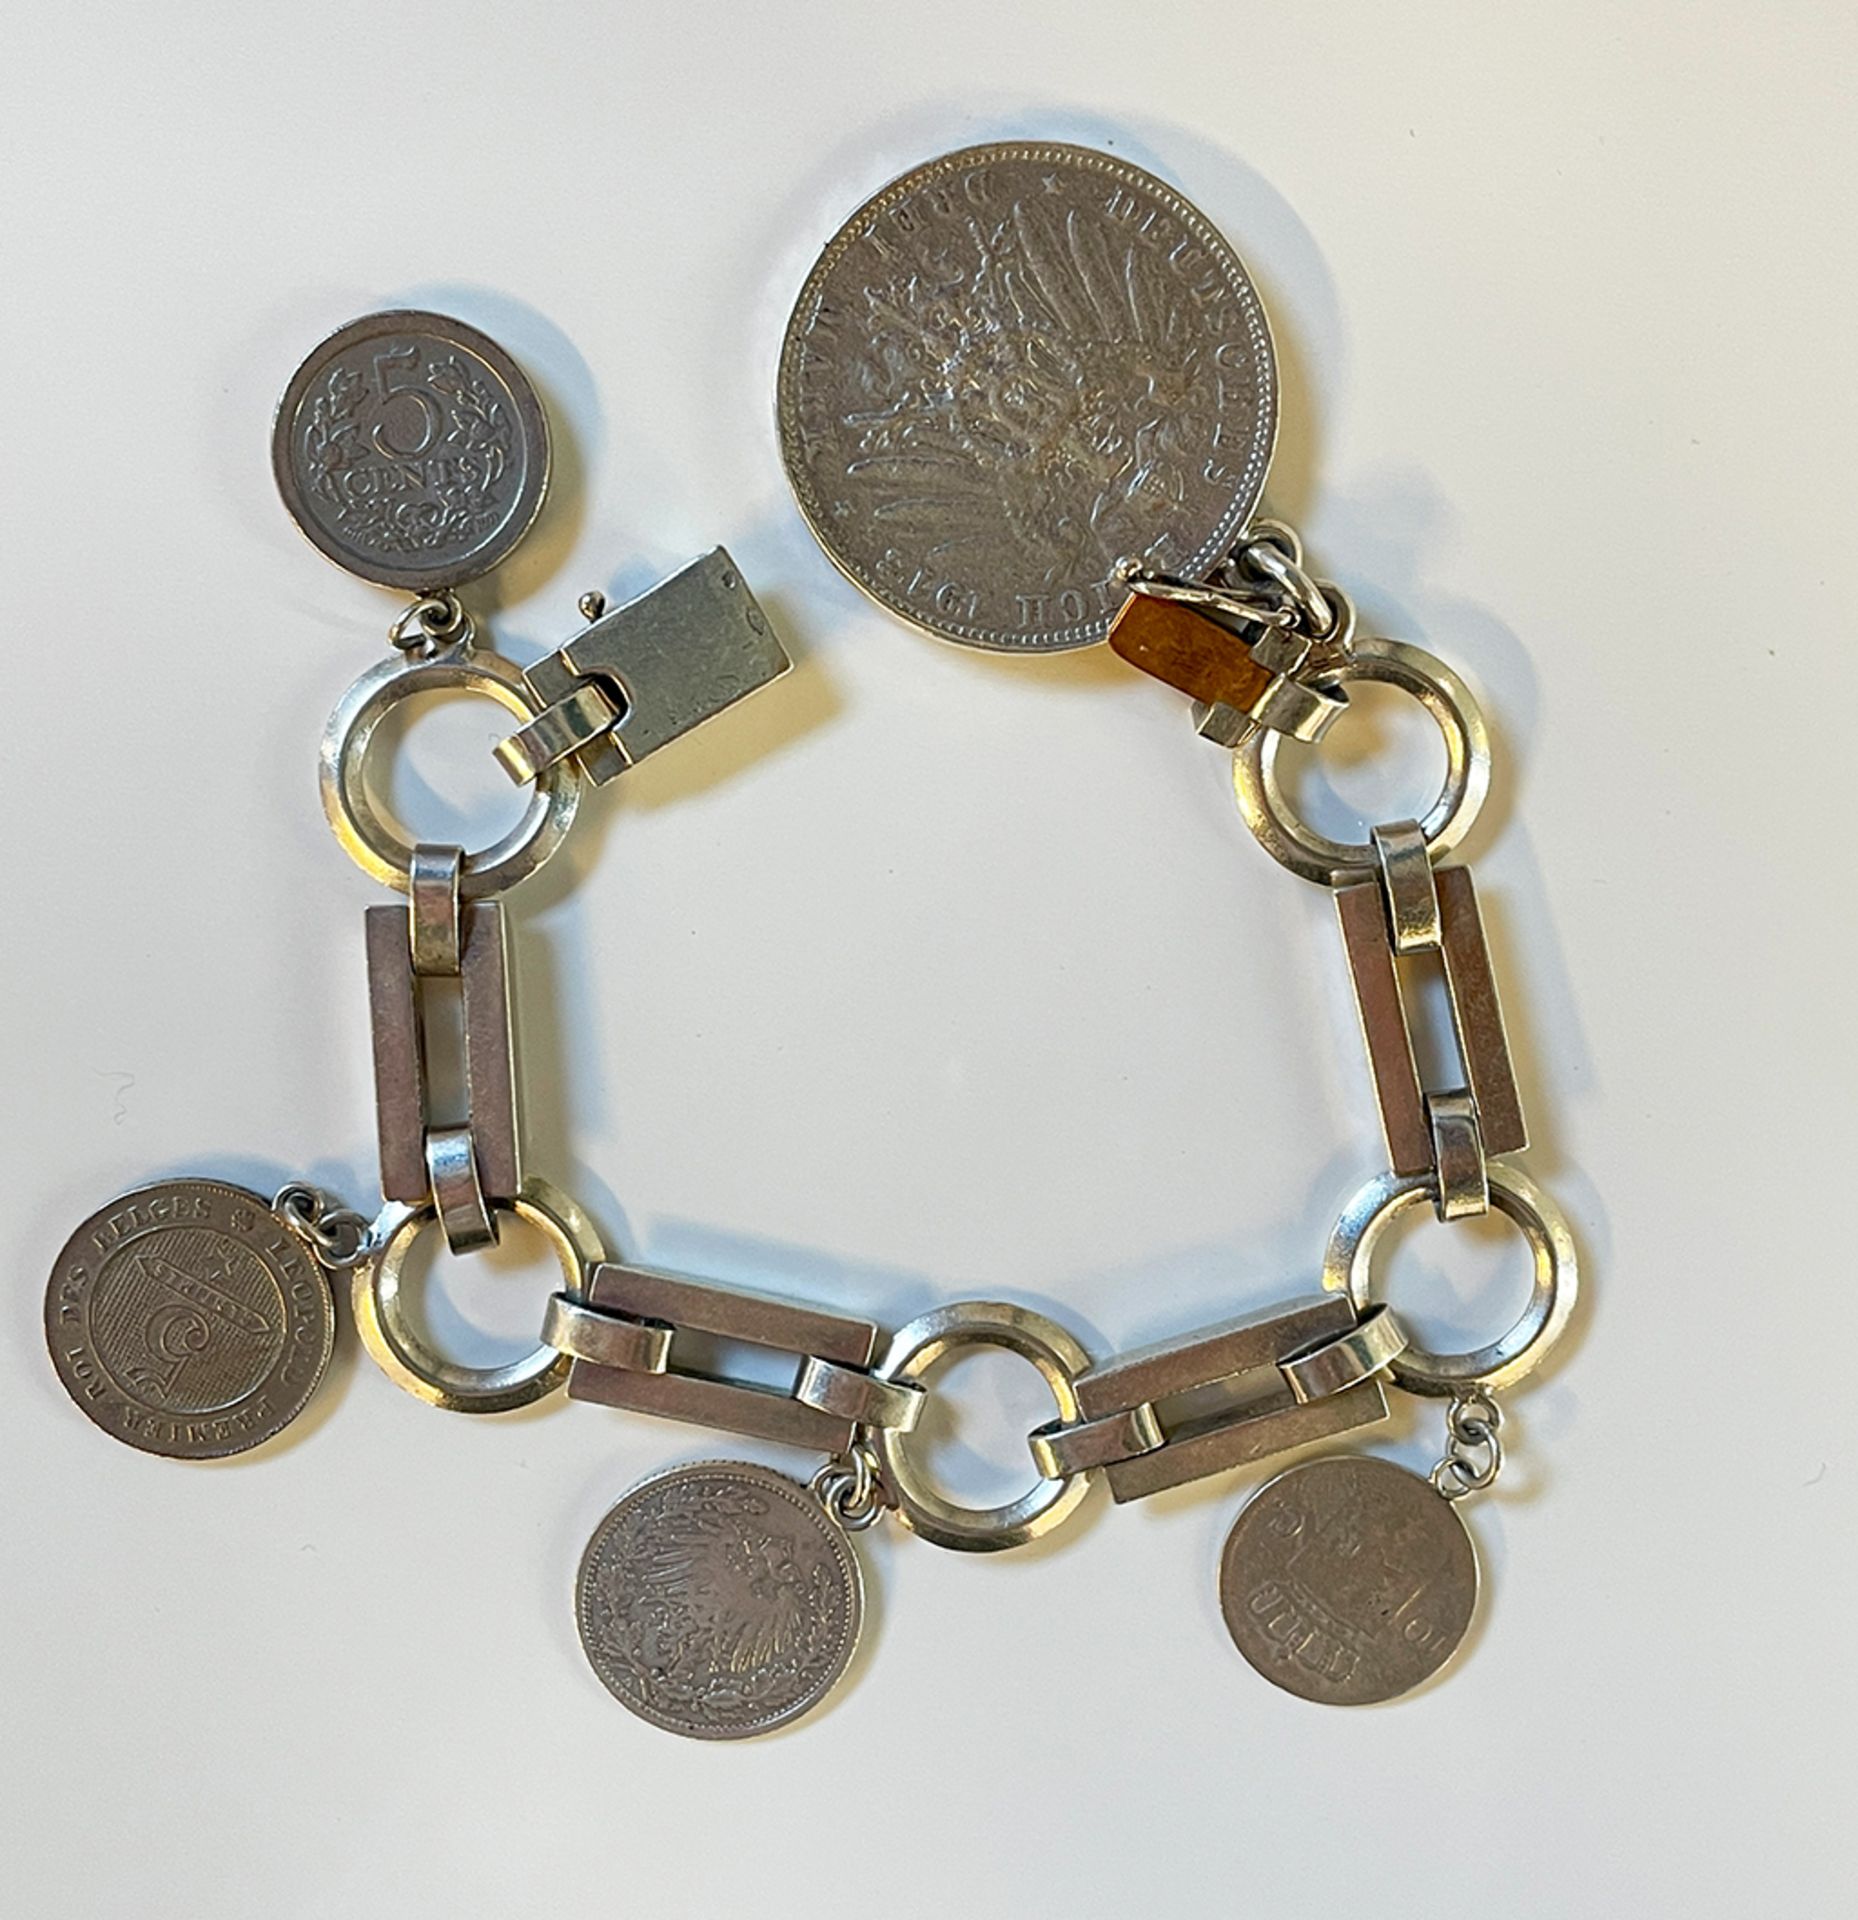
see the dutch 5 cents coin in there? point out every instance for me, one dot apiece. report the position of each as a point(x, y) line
point(412, 450)
point(1013, 370)
point(719, 1601)
point(187, 1320)
point(1348, 1580)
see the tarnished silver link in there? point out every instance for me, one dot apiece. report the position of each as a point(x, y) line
point(399, 1056)
point(490, 1050)
point(852, 1394)
point(1272, 552)
point(1129, 1420)
point(400, 1079)
point(573, 722)
point(457, 1193)
point(434, 624)
point(1477, 1014)
point(686, 1307)
point(851, 1488)
point(1301, 712)
point(1406, 884)
point(604, 1339)
point(1459, 1168)
point(1474, 1447)
point(1126, 1434)
point(433, 913)
point(1452, 1133)
point(1343, 1360)
point(336, 1235)
point(1229, 605)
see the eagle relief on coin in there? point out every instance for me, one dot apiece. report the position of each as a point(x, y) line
point(719, 1600)
point(188, 1320)
point(1011, 372)
point(412, 450)
point(1348, 1580)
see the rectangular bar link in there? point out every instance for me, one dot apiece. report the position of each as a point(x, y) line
point(726, 1313)
point(399, 1056)
point(1477, 1014)
point(1265, 1422)
point(1362, 913)
point(490, 1051)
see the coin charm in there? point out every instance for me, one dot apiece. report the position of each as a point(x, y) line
point(1348, 1580)
point(1013, 370)
point(412, 450)
point(719, 1601)
point(188, 1320)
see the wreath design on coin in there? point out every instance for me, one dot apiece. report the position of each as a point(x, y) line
point(403, 506)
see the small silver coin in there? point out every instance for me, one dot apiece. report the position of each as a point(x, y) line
point(1348, 1580)
point(187, 1320)
point(719, 1601)
point(412, 450)
point(1014, 369)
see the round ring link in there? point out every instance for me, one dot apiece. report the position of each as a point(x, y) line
point(915, 1351)
point(410, 1363)
point(1313, 856)
point(1348, 1267)
point(376, 847)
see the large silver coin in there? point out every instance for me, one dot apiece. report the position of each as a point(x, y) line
point(719, 1601)
point(1348, 1580)
point(412, 450)
point(1014, 369)
point(186, 1319)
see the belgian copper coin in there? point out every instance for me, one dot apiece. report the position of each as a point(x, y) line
point(1348, 1580)
point(188, 1320)
point(1010, 372)
point(719, 1601)
point(412, 450)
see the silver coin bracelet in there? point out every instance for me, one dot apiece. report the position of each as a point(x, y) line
point(720, 1600)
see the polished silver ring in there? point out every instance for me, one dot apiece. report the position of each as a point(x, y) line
point(1348, 1267)
point(372, 844)
point(920, 1347)
point(1314, 856)
point(410, 1363)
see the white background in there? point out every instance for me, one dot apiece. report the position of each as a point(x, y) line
point(928, 975)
